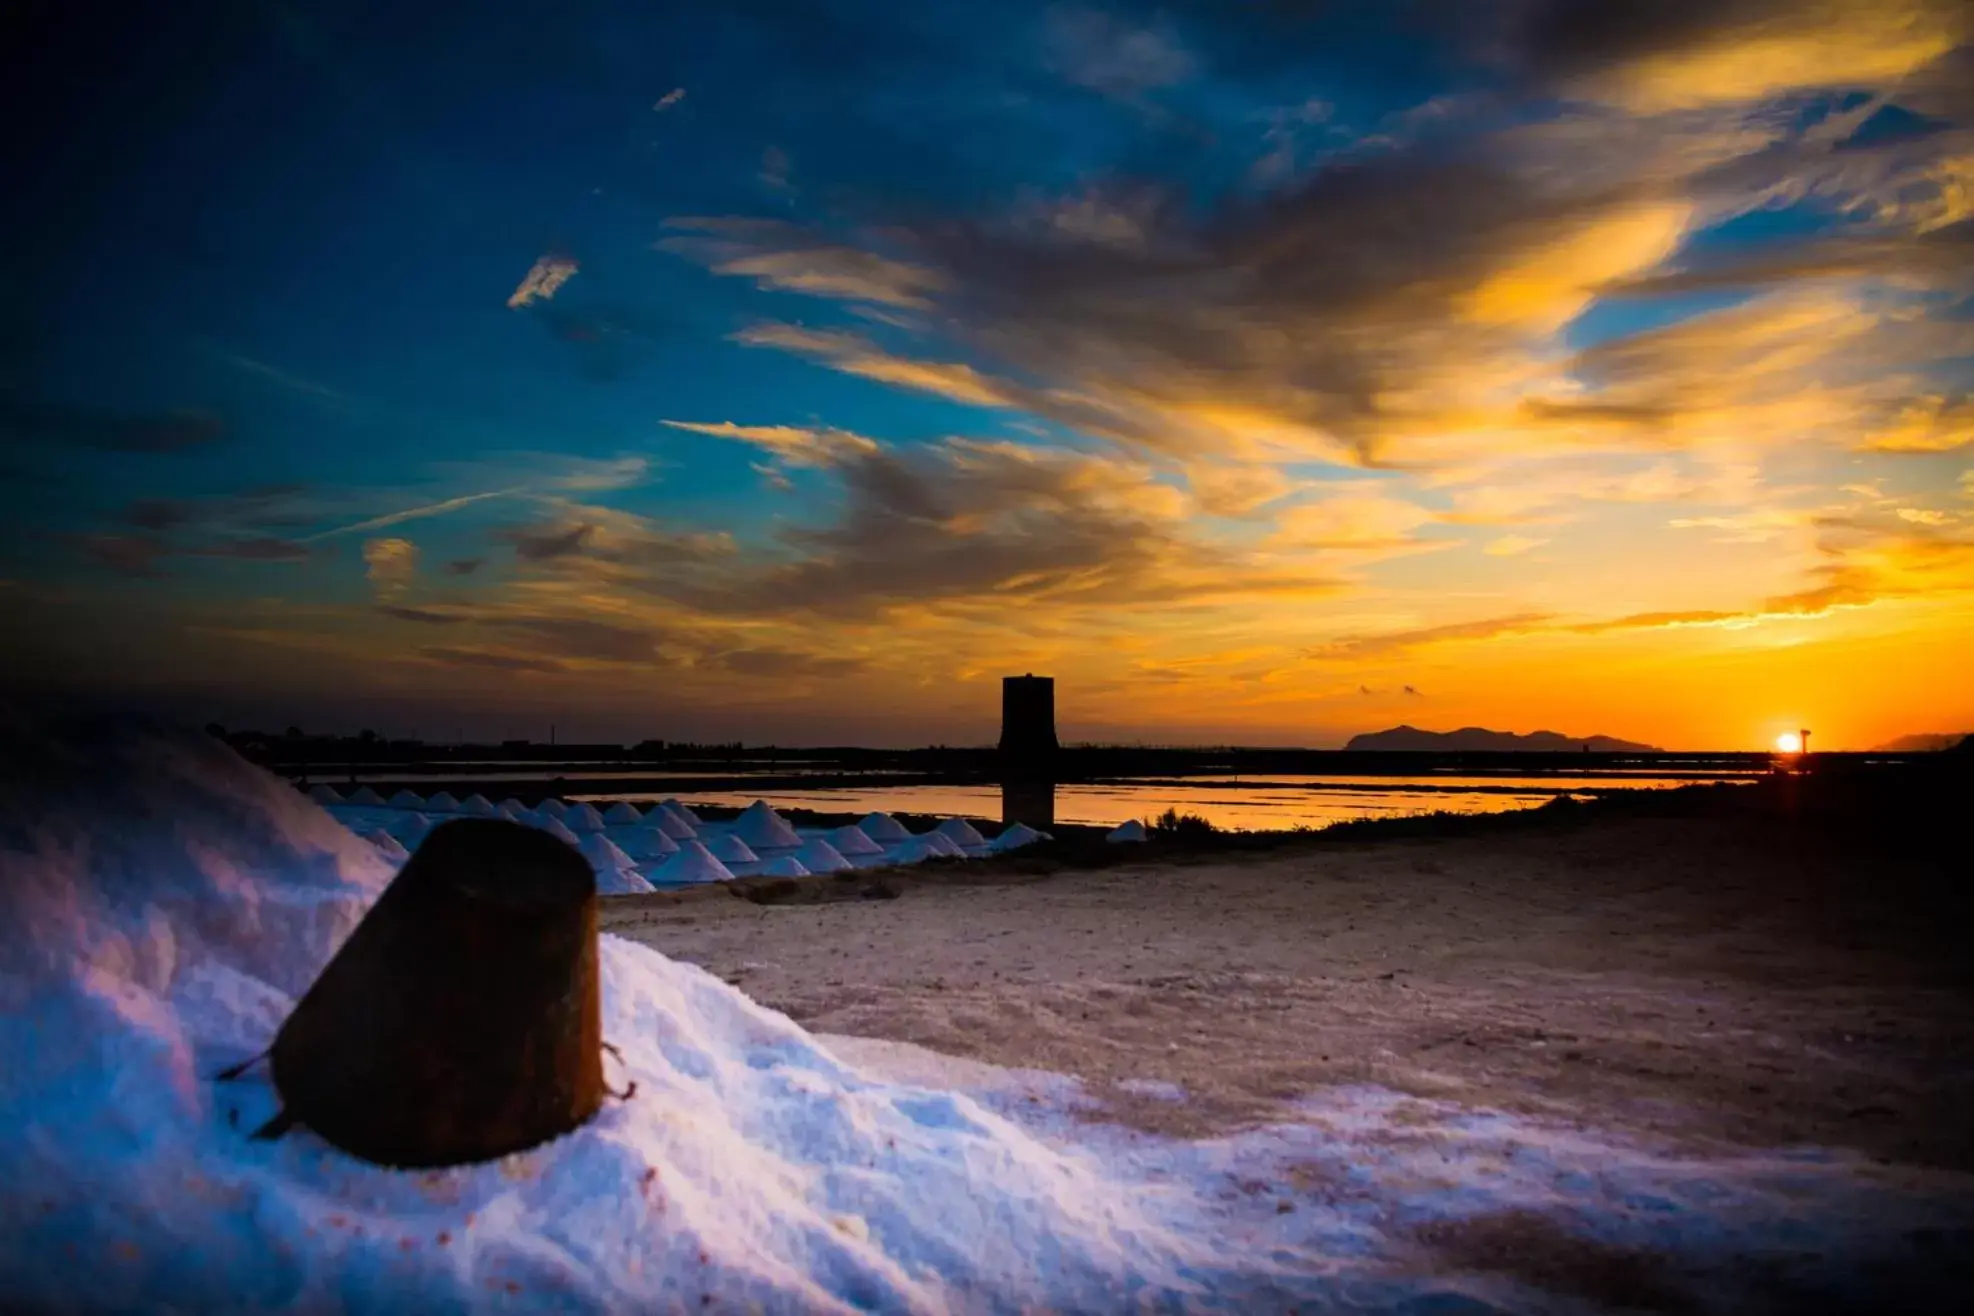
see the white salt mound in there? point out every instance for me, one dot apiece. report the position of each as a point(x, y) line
point(443, 802)
point(621, 882)
point(1015, 837)
point(409, 828)
point(728, 848)
point(643, 843)
point(405, 799)
point(673, 824)
point(553, 807)
point(603, 853)
point(387, 845)
point(819, 856)
point(783, 865)
point(852, 842)
point(324, 793)
point(684, 812)
point(960, 832)
point(1127, 834)
point(478, 806)
point(943, 845)
point(764, 829)
point(917, 849)
point(692, 864)
point(513, 810)
point(560, 831)
point(582, 818)
point(883, 828)
point(364, 797)
point(166, 903)
point(621, 813)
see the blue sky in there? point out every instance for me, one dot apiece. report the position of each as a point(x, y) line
point(1246, 365)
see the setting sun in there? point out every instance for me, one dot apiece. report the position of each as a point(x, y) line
point(1789, 743)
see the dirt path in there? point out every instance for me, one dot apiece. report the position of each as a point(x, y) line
point(1699, 980)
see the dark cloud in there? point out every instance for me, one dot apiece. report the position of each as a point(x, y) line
point(500, 662)
point(972, 522)
point(158, 513)
point(464, 566)
point(260, 549)
point(424, 616)
point(617, 538)
point(108, 431)
point(535, 544)
point(581, 638)
point(773, 663)
point(127, 555)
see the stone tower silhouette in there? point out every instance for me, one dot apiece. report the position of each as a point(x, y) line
point(1028, 719)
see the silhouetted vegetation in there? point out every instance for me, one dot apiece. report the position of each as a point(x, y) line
point(1184, 827)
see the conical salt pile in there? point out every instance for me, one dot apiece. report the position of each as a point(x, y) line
point(461, 1021)
point(1017, 836)
point(941, 844)
point(783, 865)
point(323, 793)
point(478, 806)
point(764, 829)
point(603, 853)
point(621, 882)
point(366, 798)
point(670, 822)
point(387, 845)
point(443, 802)
point(693, 863)
point(405, 799)
point(853, 843)
point(555, 827)
point(819, 856)
point(583, 818)
point(730, 849)
point(621, 814)
point(1127, 834)
point(645, 843)
point(883, 828)
point(960, 832)
point(513, 810)
point(684, 811)
point(553, 807)
point(917, 849)
point(409, 828)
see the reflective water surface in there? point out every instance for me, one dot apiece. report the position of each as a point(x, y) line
point(1260, 806)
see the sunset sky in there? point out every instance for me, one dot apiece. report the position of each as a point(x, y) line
point(789, 370)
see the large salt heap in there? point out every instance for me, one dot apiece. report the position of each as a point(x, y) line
point(644, 843)
point(693, 864)
point(764, 829)
point(165, 902)
point(883, 828)
point(728, 848)
point(961, 833)
point(853, 843)
point(671, 822)
point(819, 856)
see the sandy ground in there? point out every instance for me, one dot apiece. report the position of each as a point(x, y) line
point(1707, 982)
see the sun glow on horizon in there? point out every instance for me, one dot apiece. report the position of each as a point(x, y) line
point(1789, 743)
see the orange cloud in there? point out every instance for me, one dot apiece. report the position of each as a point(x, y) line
point(543, 280)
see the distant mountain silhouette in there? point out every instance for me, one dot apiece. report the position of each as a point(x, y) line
point(1922, 742)
point(1480, 738)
